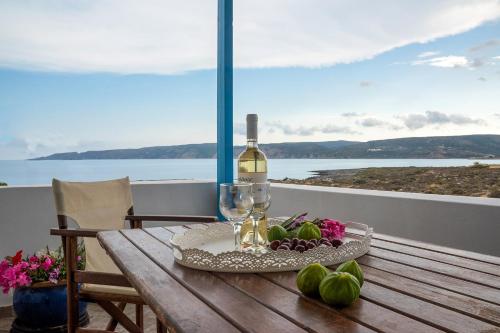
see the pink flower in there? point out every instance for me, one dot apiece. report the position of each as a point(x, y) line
point(33, 260)
point(47, 264)
point(4, 264)
point(332, 229)
point(10, 276)
point(34, 267)
point(79, 258)
point(23, 280)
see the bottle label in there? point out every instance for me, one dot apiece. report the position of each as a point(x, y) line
point(255, 177)
point(252, 177)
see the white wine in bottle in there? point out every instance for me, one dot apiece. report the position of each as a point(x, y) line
point(252, 168)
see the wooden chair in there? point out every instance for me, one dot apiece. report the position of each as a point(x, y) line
point(97, 206)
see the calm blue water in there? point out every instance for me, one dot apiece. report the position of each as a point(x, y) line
point(42, 172)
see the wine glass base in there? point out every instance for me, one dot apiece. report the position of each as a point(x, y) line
point(256, 249)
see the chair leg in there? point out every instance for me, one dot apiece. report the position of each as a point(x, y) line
point(123, 320)
point(71, 285)
point(113, 322)
point(159, 326)
point(139, 316)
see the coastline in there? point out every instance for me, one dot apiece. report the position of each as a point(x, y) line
point(478, 180)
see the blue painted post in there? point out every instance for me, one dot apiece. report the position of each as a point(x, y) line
point(224, 94)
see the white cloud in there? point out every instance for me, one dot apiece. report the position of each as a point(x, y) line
point(428, 54)
point(496, 58)
point(486, 45)
point(309, 130)
point(167, 36)
point(446, 62)
point(351, 114)
point(377, 123)
point(417, 121)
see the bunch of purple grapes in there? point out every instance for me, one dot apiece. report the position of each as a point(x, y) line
point(302, 245)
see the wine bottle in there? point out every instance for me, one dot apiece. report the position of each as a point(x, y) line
point(252, 168)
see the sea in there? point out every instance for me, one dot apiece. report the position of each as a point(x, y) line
point(26, 172)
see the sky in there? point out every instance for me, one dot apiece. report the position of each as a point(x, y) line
point(92, 75)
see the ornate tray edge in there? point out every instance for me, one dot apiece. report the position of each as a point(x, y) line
point(275, 261)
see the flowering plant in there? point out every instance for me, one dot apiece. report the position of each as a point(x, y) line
point(45, 265)
point(330, 229)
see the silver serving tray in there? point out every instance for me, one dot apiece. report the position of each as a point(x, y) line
point(210, 248)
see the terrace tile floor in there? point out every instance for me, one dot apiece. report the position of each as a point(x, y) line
point(99, 319)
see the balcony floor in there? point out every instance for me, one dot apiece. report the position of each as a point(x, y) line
point(99, 319)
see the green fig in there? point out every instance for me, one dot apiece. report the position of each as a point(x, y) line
point(310, 277)
point(352, 267)
point(340, 289)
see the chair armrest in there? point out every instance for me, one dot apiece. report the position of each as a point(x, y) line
point(108, 279)
point(75, 232)
point(180, 218)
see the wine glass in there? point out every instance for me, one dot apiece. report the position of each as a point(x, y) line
point(236, 204)
point(262, 201)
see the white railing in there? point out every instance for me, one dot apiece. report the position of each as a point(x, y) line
point(27, 212)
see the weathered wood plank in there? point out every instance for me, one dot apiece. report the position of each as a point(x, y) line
point(174, 305)
point(294, 307)
point(279, 298)
point(229, 302)
point(451, 300)
point(432, 314)
point(438, 248)
point(160, 233)
point(438, 280)
point(177, 229)
point(438, 256)
point(438, 267)
point(363, 311)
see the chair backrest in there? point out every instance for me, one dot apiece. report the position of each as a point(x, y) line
point(94, 205)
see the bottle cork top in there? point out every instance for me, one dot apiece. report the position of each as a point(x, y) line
point(252, 120)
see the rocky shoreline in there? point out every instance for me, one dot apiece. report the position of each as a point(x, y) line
point(479, 180)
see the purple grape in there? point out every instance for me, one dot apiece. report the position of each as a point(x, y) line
point(274, 245)
point(285, 240)
point(314, 241)
point(336, 242)
point(295, 241)
point(303, 242)
point(310, 245)
point(283, 247)
point(300, 248)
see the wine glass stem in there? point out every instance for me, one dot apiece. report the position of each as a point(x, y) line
point(255, 224)
point(237, 236)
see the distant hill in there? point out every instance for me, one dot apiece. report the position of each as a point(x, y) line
point(466, 146)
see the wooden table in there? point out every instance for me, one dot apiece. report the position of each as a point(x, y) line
point(409, 287)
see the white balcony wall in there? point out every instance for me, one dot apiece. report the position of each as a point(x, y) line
point(27, 212)
point(455, 221)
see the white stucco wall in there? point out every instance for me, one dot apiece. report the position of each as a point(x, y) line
point(27, 212)
point(461, 222)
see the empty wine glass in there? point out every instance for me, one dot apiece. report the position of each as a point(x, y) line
point(262, 201)
point(236, 204)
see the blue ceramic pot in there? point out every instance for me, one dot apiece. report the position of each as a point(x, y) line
point(43, 307)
